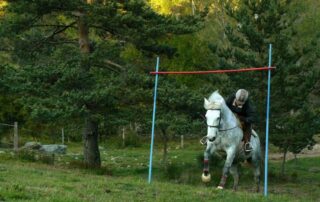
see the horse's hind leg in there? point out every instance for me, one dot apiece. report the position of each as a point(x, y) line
point(257, 177)
point(235, 174)
point(256, 170)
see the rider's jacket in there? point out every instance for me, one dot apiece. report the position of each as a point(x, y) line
point(246, 113)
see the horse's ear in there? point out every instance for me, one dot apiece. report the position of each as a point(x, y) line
point(206, 103)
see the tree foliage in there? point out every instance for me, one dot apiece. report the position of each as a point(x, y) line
point(253, 25)
point(68, 55)
point(77, 61)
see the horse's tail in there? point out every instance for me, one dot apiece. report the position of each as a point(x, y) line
point(260, 152)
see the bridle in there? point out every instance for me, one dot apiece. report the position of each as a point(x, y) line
point(217, 126)
point(203, 140)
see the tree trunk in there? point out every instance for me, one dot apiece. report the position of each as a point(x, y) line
point(91, 151)
point(84, 42)
point(284, 161)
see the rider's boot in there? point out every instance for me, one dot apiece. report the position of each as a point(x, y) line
point(247, 137)
point(247, 147)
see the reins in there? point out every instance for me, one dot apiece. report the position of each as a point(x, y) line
point(229, 128)
point(218, 126)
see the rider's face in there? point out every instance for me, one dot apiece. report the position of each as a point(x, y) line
point(238, 103)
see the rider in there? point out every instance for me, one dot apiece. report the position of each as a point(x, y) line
point(241, 105)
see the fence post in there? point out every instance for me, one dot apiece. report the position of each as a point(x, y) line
point(123, 138)
point(15, 137)
point(62, 135)
point(182, 142)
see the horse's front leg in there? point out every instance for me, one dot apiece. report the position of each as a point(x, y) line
point(206, 177)
point(235, 174)
point(227, 165)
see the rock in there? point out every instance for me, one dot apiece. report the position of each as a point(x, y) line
point(53, 149)
point(32, 145)
point(50, 148)
point(314, 170)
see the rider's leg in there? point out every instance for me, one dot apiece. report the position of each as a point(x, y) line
point(247, 135)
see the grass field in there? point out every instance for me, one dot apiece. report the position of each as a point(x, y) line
point(123, 177)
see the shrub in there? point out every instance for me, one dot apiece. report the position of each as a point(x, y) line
point(47, 158)
point(34, 156)
point(27, 155)
point(173, 172)
point(294, 176)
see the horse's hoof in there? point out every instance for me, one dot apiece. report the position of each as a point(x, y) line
point(219, 187)
point(206, 178)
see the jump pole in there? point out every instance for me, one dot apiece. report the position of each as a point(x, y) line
point(267, 127)
point(153, 120)
point(269, 68)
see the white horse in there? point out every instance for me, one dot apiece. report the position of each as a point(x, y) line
point(224, 134)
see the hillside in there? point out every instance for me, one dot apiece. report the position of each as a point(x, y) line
point(123, 177)
point(34, 182)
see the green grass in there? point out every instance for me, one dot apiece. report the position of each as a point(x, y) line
point(35, 182)
point(123, 177)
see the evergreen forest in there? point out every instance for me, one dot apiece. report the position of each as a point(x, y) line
point(84, 66)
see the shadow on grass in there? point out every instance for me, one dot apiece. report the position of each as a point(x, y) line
point(97, 170)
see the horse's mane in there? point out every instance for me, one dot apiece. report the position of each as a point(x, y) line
point(216, 101)
point(215, 97)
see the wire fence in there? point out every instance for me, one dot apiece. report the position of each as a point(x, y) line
point(54, 133)
point(6, 124)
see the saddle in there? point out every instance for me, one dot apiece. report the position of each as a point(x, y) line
point(241, 125)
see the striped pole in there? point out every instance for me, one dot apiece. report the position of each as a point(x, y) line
point(267, 127)
point(153, 121)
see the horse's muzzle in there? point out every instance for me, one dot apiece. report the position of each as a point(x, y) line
point(212, 139)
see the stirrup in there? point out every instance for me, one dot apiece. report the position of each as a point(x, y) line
point(203, 140)
point(247, 147)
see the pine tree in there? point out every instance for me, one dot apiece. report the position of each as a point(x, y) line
point(67, 56)
point(251, 26)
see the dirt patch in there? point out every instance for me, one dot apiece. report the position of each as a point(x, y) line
point(314, 152)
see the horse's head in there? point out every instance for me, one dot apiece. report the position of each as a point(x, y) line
point(213, 118)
